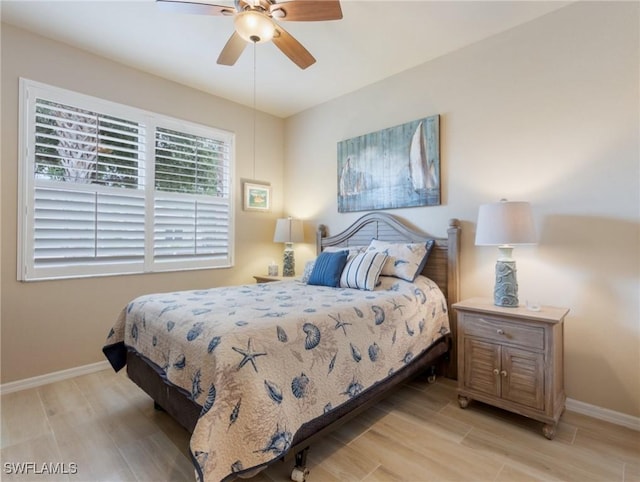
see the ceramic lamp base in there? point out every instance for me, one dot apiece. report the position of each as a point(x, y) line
point(505, 292)
point(289, 263)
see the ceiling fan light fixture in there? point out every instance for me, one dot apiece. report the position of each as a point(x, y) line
point(254, 26)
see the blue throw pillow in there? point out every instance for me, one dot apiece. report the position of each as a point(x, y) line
point(328, 268)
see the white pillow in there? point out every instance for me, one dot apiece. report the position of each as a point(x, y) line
point(406, 260)
point(308, 268)
point(362, 271)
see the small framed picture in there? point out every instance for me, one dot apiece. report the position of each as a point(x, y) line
point(257, 196)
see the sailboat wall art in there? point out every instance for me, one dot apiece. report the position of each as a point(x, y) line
point(397, 167)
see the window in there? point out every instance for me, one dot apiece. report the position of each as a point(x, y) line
point(109, 189)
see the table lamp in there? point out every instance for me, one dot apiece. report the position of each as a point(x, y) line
point(505, 224)
point(288, 231)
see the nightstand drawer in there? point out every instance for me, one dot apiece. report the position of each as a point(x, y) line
point(495, 329)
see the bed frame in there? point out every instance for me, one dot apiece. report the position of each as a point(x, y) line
point(442, 267)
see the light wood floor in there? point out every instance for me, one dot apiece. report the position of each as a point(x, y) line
point(107, 426)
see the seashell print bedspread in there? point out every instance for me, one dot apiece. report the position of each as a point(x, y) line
point(263, 359)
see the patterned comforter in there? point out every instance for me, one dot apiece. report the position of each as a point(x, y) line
point(263, 359)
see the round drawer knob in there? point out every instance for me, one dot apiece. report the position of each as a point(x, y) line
point(500, 331)
point(496, 371)
point(503, 373)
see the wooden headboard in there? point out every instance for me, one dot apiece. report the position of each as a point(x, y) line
point(442, 266)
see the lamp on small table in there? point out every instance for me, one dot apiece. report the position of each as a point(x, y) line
point(288, 231)
point(505, 224)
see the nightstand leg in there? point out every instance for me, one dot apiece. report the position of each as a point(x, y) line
point(463, 401)
point(549, 430)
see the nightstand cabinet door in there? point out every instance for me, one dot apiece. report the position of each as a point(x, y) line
point(501, 371)
point(522, 375)
point(482, 366)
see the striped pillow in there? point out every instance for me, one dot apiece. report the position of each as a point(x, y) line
point(362, 271)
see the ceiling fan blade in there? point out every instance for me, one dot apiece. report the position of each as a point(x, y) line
point(306, 10)
point(232, 50)
point(292, 48)
point(181, 6)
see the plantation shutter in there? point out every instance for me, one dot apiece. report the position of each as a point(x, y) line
point(110, 189)
point(89, 198)
point(191, 203)
point(79, 227)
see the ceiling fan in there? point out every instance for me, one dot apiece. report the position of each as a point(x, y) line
point(254, 21)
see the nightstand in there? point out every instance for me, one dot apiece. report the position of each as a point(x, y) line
point(512, 358)
point(263, 278)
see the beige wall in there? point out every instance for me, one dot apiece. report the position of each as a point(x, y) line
point(54, 325)
point(548, 113)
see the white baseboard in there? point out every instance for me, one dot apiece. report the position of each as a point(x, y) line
point(52, 377)
point(605, 414)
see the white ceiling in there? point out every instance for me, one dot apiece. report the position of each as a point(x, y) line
point(374, 40)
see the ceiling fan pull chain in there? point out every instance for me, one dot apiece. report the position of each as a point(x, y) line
point(254, 109)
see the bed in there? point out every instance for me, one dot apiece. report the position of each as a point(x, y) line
point(257, 372)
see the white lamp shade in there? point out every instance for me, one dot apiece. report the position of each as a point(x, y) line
point(254, 26)
point(505, 223)
point(288, 230)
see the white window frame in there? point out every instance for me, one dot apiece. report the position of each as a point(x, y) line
point(29, 90)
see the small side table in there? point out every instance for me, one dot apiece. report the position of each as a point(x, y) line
point(263, 278)
point(512, 358)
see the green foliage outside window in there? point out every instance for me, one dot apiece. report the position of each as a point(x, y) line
point(76, 145)
point(189, 164)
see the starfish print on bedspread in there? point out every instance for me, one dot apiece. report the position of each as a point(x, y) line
point(396, 305)
point(340, 323)
point(248, 355)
